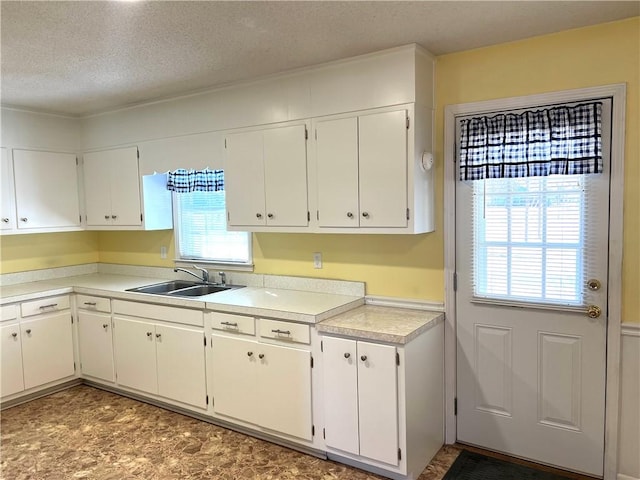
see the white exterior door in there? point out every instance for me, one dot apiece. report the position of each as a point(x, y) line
point(530, 260)
point(135, 354)
point(96, 345)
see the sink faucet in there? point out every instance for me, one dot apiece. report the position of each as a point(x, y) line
point(223, 278)
point(205, 274)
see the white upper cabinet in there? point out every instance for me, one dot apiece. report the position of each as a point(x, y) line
point(46, 191)
point(266, 178)
point(8, 209)
point(113, 199)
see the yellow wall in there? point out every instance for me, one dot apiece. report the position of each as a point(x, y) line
point(47, 250)
point(412, 266)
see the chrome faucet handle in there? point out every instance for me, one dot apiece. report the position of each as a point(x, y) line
point(205, 273)
point(223, 278)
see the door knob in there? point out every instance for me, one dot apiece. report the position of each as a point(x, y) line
point(363, 358)
point(149, 334)
point(249, 354)
point(261, 356)
point(106, 217)
point(347, 355)
point(349, 214)
point(365, 214)
point(5, 220)
point(28, 331)
point(593, 311)
point(158, 335)
point(14, 334)
point(258, 215)
point(23, 219)
point(105, 325)
point(593, 284)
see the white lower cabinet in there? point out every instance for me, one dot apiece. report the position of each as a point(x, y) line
point(266, 385)
point(161, 359)
point(361, 399)
point(11, 379)
point(95, 341)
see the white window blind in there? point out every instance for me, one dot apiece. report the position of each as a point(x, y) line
point(532, 240)
point(202, 230)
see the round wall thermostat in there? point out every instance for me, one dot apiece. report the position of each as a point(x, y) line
point(427, 161)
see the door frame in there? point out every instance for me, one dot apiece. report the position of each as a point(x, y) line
point(618, 93)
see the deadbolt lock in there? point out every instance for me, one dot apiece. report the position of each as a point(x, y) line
point(594, 311)
point(593, 284)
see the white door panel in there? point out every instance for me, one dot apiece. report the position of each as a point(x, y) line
point(135, 354)
point(11, 379)
point(96, 345)
point(7, 207)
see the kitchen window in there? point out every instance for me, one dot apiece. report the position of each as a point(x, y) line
point(200, 229)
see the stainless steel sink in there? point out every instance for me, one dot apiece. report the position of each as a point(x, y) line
point(183, 288)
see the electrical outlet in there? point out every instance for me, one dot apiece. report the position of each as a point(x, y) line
point(163, 252)
point(317, 260)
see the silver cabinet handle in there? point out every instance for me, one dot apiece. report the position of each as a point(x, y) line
point(5, 220)
point(14, 334)
point(229, 324)
point(91, 304)
point(149, 334)
point(270, 215)
point(51, 305)
point(365, 214)
point(261, 356)
point(249, 354)
point(363, 358)
point(258, 215)
point(105, 325)
point(347, 355)
point(349, 214)
point(28, 330)
point(158, 335)
point(281, 332)
point(23, 219)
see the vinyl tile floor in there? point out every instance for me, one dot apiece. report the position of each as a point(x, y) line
point(84, 432)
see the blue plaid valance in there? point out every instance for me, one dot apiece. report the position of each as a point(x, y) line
point(184, 181)
point(563, 140)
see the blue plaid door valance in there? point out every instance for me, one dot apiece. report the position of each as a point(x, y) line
point(563, 140)
point(184, 181)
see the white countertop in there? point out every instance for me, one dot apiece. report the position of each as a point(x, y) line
point(301, 306)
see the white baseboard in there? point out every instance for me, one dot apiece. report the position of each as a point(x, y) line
point(626, 477)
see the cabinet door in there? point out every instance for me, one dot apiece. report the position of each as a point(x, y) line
point(234, 370)
point(378, 402)
point(383, 169)
point(97, 189)
point(284, 386)
point(244, 179)
point(125, 186)
point(11, 380)
point(96, 345)
point(8, 211)
point(341, 394)
point(47, 349)
point(135, 354)
point(46, 189)
point(181, 364)
point(285, 176)
point(337, 172)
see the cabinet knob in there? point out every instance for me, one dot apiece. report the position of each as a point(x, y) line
point(349, 214)
point(23, 219)
point(14, 334)
point(114, 216)
point(158, 335)
point(105, 325)
point(347, 355)
point(270, 215)
point(149, 334)
point(261, 356)
point(365, 214)
point(106, 217)
point(258, 215)
point(363, 358)
point(249, 354)
point(5, 220)
point(28, 330)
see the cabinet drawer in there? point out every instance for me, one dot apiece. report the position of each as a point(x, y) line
point(44, 305)
point(184, 316)
point(96, 304)
point(8, 312)
point(289, 332)
point(233, 323)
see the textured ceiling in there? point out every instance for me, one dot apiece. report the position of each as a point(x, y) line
point(83, 57)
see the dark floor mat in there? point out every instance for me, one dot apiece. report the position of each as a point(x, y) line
point(474, 466)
